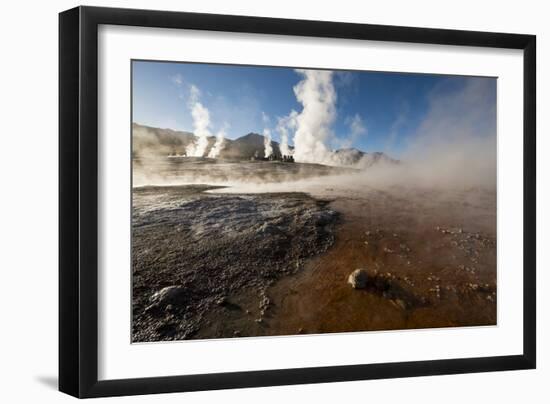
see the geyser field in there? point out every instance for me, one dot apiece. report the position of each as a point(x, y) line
point(359, 201)
point(251, 256)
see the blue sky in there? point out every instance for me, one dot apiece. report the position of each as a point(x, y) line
point(391, 106)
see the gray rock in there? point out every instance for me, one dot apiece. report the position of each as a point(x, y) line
point(358, 279)
point(171, 295)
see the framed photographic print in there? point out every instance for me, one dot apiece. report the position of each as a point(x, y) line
point(251, 201)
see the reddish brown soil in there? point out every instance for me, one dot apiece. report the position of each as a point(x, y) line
point(442, 256)
point(437, 248)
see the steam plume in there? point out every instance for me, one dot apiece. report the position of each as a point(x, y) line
point(201, 124)
point(357, 129)
point(268, 149)
point(218, 146)
point(456, 141)
point(284, 125)
point(317, 95)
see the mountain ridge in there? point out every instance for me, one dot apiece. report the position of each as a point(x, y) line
point(148, 140)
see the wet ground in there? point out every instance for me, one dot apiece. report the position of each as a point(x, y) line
point(238, 261)
point(194, 252)
point(436, 259)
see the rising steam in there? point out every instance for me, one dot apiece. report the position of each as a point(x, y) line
point(317, 95)
point(268, 149)
point(456, 142)
point(284, 125)
point(201, 124)
point(454, 145)
point(218, 145)
point(357, 129)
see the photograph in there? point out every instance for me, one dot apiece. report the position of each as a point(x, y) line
point(271, 201)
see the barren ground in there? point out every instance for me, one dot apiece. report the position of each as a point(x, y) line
point(248, 260)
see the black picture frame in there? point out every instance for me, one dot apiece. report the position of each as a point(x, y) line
point(78, 201)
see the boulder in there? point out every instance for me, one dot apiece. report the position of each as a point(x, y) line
point(170, 295)
point(358, 279)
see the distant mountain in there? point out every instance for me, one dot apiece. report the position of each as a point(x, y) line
point(247, 147)
point(150, 141)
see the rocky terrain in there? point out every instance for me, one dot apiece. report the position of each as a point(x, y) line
point(327, 252)
point(194, 252)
